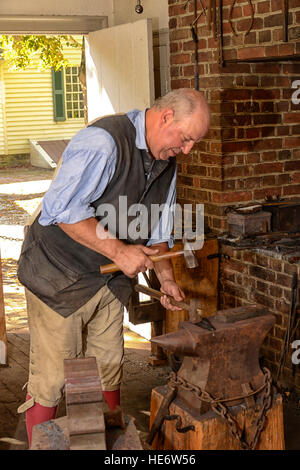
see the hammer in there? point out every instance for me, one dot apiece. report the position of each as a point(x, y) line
point(187, 252)
point(193, 307)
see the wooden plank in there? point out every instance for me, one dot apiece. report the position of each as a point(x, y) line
point(3, 337)
point(54, 435)
point(211, 431)
point(196, 283)
point(21, 340)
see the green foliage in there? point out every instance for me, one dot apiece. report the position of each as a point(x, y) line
point(20, 51)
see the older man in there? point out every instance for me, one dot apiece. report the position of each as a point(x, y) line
point(72, 308)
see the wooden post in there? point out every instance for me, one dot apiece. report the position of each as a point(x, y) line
point(3, 339)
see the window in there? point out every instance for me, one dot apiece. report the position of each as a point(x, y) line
point(74, 96)
point(67, 94)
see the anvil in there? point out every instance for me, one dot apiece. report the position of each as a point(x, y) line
point(224, 362)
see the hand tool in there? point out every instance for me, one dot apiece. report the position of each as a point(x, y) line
point(162, 412)
point(251, 20)
point(187, 252)
point(193, 307)
point(290, 325)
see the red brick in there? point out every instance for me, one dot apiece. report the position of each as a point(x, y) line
point(238, 196)
point(268, 156)
point(296, 178)
point(238, 146)
point(252, 133)
point(260, 119)
point(267, 68)
point(282, 130)
point(251, 183)
point(276, 264)
point(291, 117)
point(263, 7)
point(276, 5)
point(180, 84)
point(262, 94)
point(277, 35)
point(267, 144)
point(177, 34)
point(286, 49)
point(251, 52)
point(267, 168)
point(172, 23)
point(250, 38)
point(180, 59)
point(176, 10)
point(292, 142)
point(263, 193)
point(284, 280)
point(268, 81)
point(291, 190)
point(283, 180)
point(268, 131)
point(264, 36)
point(253, 158)
point(273, 20)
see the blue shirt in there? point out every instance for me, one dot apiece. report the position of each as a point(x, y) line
point(88, 165)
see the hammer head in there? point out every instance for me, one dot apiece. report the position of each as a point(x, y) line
point(189, 254)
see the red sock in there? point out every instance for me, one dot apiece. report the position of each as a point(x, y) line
point(112, 398)
point(37, 414)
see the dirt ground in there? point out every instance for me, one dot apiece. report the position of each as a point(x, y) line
point(21, 190)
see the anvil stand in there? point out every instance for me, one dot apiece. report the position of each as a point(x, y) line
point(220, 398)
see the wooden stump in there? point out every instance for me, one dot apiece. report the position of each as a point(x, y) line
point(211, 431)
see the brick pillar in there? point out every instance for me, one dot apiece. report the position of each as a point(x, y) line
point(252, 150)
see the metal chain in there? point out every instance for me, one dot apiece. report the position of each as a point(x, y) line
point(11, 238)
point(222, 410)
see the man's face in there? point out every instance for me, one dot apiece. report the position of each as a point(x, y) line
point(174, 137)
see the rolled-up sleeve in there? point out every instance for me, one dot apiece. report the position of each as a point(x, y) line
point(88, 165)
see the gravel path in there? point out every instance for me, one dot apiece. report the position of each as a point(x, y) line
point(21, 190)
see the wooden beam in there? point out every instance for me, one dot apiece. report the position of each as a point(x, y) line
point(3, 339)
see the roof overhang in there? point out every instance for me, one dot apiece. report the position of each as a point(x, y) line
point(23, 24)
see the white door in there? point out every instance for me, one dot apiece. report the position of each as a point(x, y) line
point(119, 69)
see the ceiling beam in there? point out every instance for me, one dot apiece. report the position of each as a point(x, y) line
point(26, 24)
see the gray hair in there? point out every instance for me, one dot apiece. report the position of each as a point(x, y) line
point(183, 101)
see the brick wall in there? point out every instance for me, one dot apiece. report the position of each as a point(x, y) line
point(253, 147)
point(248, 277)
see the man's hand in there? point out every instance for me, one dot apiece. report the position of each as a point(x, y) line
point(133, 259)
point(171, 289)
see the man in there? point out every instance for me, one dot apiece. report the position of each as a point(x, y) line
point(72, 308)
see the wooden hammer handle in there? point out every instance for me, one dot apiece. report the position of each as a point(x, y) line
point(111, 268)
point(156, 294)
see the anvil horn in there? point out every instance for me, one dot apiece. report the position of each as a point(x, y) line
point(182, 342)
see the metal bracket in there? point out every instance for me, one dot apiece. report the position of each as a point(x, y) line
point(179, 429)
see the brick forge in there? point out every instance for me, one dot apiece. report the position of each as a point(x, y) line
point(248, 276)
point(252, 150)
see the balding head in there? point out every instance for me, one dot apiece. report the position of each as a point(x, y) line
point(175, 122)
point(184, 102)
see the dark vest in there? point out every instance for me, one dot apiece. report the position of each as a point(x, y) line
point(65, 274)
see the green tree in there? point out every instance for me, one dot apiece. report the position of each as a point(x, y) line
point(19, 52)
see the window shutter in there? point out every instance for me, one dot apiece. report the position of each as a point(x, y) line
point(58, 95)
